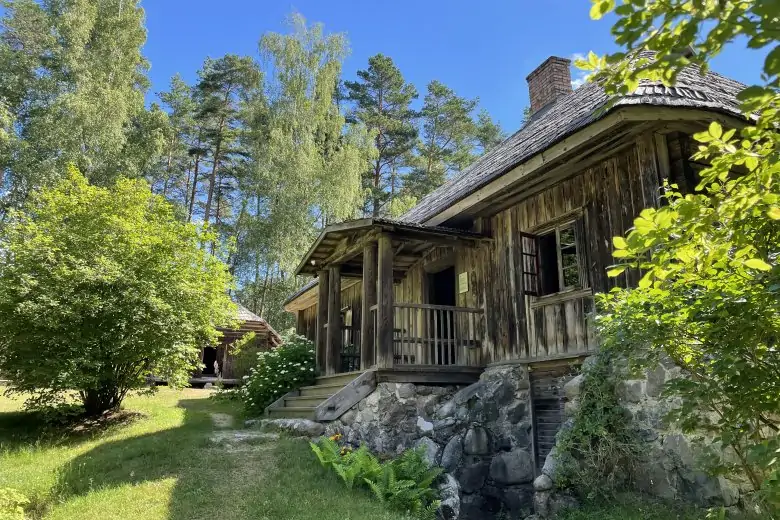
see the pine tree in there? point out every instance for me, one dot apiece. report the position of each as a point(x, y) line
point(445, 144)
point(222, 86)
point(451, 139)
point(382, 103)
point(175, 175)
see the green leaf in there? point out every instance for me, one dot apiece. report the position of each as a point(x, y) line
point(715, 130)
point(772, 62)
point(616, 271)
point(600, 8)
point(757, 263)
point(619, 242)
point(774, 213)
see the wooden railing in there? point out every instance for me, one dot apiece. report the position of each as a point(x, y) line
point(436, 334)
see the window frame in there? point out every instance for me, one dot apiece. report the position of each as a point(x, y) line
point(574, 221)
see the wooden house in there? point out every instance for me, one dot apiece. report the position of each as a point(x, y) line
point(500, 264)
point(231, 366)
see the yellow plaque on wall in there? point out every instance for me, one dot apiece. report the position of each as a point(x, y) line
point(463, 282)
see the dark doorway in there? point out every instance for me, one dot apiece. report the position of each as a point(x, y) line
point(441, 287)
point(442, 291)
point(209, 357)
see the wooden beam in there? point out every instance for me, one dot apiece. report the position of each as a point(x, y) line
point(300, 323)
point(348, 248)
point(369, 299)
point(322, 319)
point(384, 337)
point(333, 343)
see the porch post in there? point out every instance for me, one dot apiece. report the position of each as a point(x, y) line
point(333, 354)
point(300, 323)
point(322, 319)
point(369, 299)
point(385, 319)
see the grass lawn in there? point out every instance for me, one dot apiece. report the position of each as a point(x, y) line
point(632, 507)
point(162, 466)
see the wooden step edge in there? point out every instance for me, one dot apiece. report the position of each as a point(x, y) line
point(322, 387)
point(295, 409)
point(302, 397)
point(332, 377)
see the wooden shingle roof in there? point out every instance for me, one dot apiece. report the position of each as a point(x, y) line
point(569, 114)
point(251, 322)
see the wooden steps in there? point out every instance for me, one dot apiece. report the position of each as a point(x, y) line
point(316, 402)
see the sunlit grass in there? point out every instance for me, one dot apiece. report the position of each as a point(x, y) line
point(162, 466)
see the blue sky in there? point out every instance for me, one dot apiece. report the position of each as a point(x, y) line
point(480, 48)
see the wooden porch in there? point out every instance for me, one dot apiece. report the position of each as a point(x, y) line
point(420, 341)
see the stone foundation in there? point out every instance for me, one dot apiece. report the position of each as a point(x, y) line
point(481, 435)
point(669, 467)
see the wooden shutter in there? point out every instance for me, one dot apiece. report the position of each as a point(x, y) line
point(548, 401)
point(529, 259)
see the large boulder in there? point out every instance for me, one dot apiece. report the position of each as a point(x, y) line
point(431, 450)
point(472, 475)
point(295, 427)
point(449, 495)
point(453, 453)
point(514, 467)
point(477, 441)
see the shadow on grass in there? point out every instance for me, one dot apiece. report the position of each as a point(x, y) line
point(267, 480)
point(183, 453)
point(21, 429)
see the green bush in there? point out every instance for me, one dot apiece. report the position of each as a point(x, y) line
point(279, 371)
point(101, 287)
point(11, 504)
point(404, 484)
point(599, 452)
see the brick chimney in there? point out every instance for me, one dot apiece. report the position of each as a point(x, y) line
point(548, 82)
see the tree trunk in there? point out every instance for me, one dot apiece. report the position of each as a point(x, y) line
point(215, 167)
point(97, 401)
point(194, 188)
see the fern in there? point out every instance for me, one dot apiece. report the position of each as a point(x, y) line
point(327, 452)
point(429, 512)
point(404, 484)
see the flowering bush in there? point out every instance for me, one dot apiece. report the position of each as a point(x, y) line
point(278, 371)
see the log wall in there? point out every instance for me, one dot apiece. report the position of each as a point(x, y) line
point(603, 199)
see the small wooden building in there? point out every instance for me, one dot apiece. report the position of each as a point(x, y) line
point(232, 367)
point(500, 264)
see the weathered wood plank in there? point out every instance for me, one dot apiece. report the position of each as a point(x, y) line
point(367, 358)
point(339, 403)
point(334, 338)
point(322, 319)
point(385, 315)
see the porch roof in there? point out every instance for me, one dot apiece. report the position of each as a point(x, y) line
point(342, 244)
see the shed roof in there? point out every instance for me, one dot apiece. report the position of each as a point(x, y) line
point(251, 322)
point(567, 115)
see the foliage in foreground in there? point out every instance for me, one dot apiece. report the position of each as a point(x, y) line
point(12, 504)
point(101, 287)
point(278, 371)
point(404, 484)
point(709, 298)
point(599, 453)
point(636, 507)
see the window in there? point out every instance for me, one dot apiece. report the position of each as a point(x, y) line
point(551, 260)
